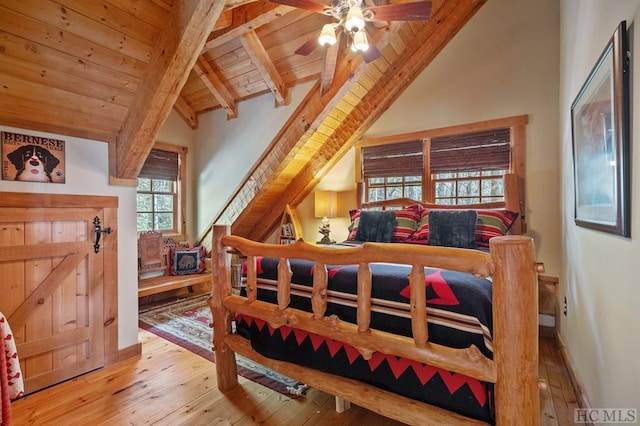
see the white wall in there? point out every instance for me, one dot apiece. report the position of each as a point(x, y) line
point(599, 271)
point(87, 172)
point(228, 149)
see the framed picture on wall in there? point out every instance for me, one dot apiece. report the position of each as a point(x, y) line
point(600, 134)
point(27, 158)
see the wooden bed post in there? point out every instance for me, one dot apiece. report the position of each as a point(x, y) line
point(220, 288)
point(515, 328)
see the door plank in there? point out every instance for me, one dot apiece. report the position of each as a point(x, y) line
point(11, 214)
point(19, 317)
point(38, 251)
point(110, 299)
point(64, 298)
point(59, 340)
point(37, 324)
point(41, 380)
point(12, 235)
point(59, 201)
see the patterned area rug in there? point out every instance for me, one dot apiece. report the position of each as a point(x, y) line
point(186, 323)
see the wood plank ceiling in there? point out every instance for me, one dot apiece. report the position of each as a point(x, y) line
point(111, 70)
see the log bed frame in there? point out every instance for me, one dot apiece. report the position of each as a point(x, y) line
point(514, 368)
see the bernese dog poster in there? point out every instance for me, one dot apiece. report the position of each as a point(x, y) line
point(32, 158)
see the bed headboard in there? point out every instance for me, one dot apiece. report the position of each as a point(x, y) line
point(513, 201)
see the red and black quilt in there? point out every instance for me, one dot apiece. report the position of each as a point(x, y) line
point(458, 311)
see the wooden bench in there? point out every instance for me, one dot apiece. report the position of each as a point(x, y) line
point(154, 268)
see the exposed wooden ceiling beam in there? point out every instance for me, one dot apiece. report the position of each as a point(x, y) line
point(224, 20)
point(216, 86)
point(186, 112)
point(171, 61)
point(247, 18)
point(263, 63)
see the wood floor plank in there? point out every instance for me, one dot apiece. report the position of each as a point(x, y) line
point(169, 385)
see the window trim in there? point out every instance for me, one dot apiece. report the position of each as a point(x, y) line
point(517, 124)
point(180, 233)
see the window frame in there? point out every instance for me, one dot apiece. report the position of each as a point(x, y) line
point(481, 199)
point(516, 124)
point(179, 197)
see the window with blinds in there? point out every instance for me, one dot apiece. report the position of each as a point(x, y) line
point(469, 168)
point(161, 165)
point(158, 192)
point(468, 152)
point(393, 171)
point(456, 168)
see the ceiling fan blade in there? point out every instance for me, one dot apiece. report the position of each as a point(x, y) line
point(308, 47)
point(416, 11)
point(329, 66)
point(303, 4)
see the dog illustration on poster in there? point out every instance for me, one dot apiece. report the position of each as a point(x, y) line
point(32, 158)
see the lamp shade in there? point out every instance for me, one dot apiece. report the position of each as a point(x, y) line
point(355, 20)
point(360, 43)
point(326, 203)
point(328, 35)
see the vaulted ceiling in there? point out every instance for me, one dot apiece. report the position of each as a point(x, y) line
point(112, 70)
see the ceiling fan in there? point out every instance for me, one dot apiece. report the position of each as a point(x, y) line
point(351, 16)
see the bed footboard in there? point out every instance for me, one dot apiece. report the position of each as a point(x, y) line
point(514, 369)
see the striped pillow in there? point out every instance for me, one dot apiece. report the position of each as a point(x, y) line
point(421, 235)
point(493, 223)
point(353, 226)
point(406, 222)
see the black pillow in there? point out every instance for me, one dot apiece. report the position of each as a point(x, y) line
point(452, 228)
point(376, 226)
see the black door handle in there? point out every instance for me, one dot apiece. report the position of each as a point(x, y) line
point(98, 230)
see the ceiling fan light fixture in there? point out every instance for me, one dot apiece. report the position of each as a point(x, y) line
point(360, 43)
point(327, 35)
point(355, 20)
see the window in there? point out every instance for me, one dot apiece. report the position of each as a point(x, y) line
point(159, 193)
point(156, 201)
point(456, 166)
point(393, 171)
point(469, 187)
point(469, 168)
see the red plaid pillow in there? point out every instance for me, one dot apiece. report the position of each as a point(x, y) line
point(421, 235)
point(493, 223)
point(353, 226)
point(406, 222)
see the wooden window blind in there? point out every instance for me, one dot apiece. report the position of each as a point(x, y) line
point(161, 165)
point(398, 159)
point(484, 150)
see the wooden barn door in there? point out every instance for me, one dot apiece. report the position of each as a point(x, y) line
point(52, 290)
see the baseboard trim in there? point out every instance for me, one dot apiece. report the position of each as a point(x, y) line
point(130, 352)
point(581, 397)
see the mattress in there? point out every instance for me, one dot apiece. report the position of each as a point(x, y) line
point(458, 311)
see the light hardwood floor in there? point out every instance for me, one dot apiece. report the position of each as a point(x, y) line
point(169, 385)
